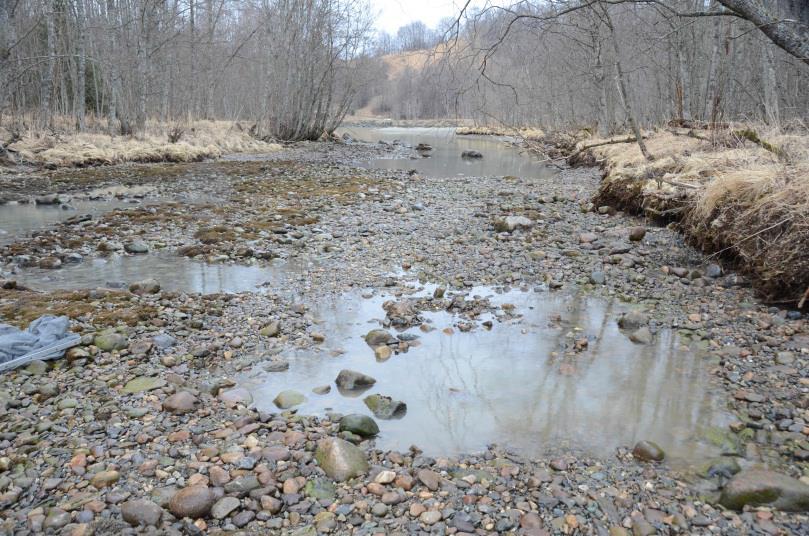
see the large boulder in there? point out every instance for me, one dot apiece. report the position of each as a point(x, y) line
point(759, 487)
point(340, 460)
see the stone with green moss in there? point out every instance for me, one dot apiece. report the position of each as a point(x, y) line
point(320, 489)
point(758, 487)
point(144, 383)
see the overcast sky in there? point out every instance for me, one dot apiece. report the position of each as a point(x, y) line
point(395, 13)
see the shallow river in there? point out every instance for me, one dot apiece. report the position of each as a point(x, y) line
point(175, 273)
point(514, 385)
point(445, 159)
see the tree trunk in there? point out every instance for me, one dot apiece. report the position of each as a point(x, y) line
point(81, 79)
point(792, 35)
point(772, 112)
point(711, 88)
point(46, 113)
point(7, 39)
point(623, 87)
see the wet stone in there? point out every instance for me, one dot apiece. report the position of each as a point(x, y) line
point(648, 451)
point(756, 487)
point(351, 380)
point(384, 407)
point(288, 399)
point(359, 424)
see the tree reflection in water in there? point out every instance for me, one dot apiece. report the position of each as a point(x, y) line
point(522, 384)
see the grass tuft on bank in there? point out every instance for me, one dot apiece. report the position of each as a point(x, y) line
point(161, 142)
point(739, 193)
point(526, 133)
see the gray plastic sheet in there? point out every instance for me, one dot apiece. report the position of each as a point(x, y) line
point(45, 338)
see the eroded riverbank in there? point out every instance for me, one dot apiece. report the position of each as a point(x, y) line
point(88, 439)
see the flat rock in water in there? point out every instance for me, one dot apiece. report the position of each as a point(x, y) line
point(288, 399)
point(641, 335)
point(384, 407)
point(352, 380)
point(379, 337)
point(633, 320)
point(758, 487)
point(340, 460)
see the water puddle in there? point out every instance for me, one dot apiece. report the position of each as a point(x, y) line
point(445, 159)
point(174, 273)
point(519, 384)
point(18, 220)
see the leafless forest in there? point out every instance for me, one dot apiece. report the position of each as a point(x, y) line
point(683, 59)
point(295, 68)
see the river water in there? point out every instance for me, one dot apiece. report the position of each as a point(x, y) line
point(445, 159)
point(517, 384)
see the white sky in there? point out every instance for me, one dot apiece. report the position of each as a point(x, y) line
point(395, 13)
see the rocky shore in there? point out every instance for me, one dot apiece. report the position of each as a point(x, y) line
point(144, 428)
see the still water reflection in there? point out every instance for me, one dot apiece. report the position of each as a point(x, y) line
point(516, 384)
point(174, 273)
point(445, 159)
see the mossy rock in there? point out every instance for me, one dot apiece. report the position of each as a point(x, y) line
point(758, 487)
point(723, 439)
point(320, 489)
point(362, 425)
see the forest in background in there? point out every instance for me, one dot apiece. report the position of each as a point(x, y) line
point(293, 69)
point(524, 65)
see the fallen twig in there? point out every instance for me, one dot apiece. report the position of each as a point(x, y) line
point(803, 299)
point(628, 139)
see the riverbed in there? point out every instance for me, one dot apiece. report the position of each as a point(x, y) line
point(502, 293)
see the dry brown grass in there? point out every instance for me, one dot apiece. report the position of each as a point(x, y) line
point(200, 140)
point(527, 133)
point(733, 197)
